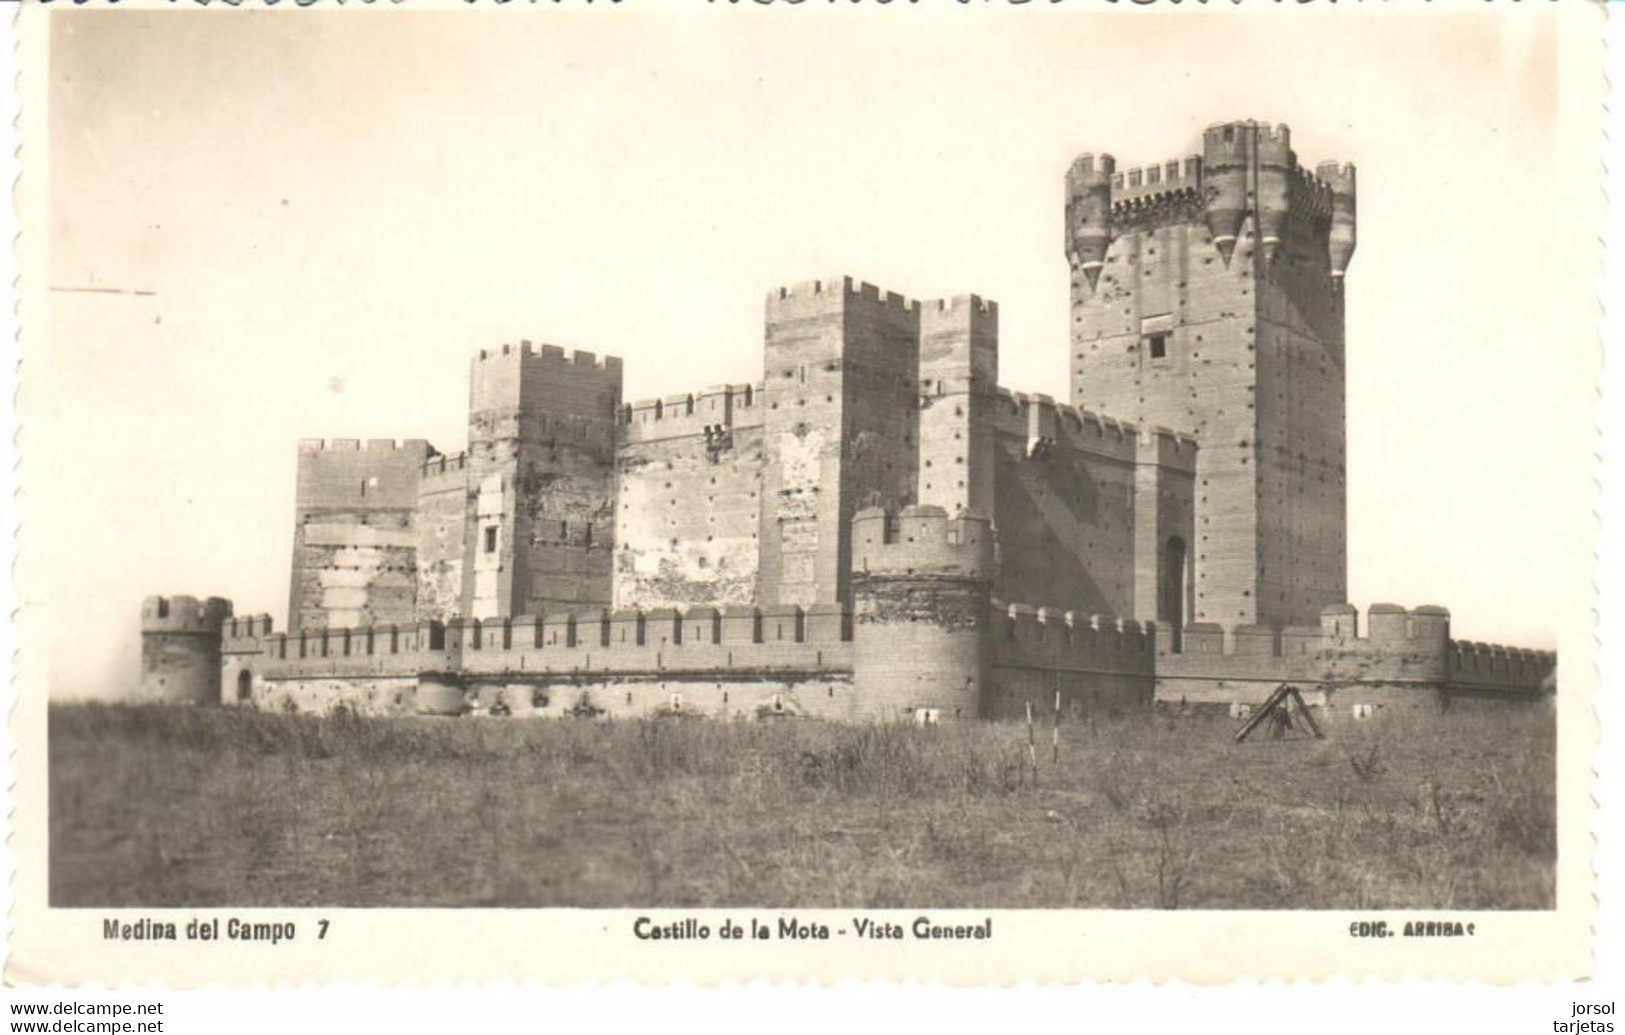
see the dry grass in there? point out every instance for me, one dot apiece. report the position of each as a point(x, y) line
point(210, 807)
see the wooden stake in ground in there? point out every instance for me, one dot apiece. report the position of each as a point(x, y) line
point(1055, 734)
point(1032, 744)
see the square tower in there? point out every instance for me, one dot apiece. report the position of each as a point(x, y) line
point(1207, 297)
point(354, 542)
point(539, 529)
point(841, 416)
point(959, 370)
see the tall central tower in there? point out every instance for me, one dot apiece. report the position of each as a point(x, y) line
point(1207, 297)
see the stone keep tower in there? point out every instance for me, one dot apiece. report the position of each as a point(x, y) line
point(841, 415)
point(921, 584)
point(540, 531)
point(1207, 297)
point(180, 649)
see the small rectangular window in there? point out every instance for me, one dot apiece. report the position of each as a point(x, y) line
point(491, 540)
point(1157, 345)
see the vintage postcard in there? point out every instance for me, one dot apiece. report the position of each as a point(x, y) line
point(956, 492)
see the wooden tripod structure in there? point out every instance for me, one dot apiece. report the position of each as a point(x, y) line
point(1279, 711)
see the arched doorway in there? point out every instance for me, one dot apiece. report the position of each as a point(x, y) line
point(245, 686)
point(1171, 590)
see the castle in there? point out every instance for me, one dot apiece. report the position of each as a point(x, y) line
point(876, 529)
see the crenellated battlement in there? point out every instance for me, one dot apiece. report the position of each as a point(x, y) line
point(1246, 169)
point(1238, 137)
point(1023, 634)
point(1174, 176)
point(1024, 404)
point(520, 391)
point(1310, 198)
point(1166, 448)
point(1089, 214)
point(551, 356)
point(345, 476)
point(1396, 648)
point(570, 499)
point(389, 649)
point(443, 464)
point(246, 628)
point(184, 614)
point(1334, 175)
point(1340, 181)
point(829, 291)
point(1386, 626)
point(371, 445)
point(963, 303)
point(627, 640)
point(181, 648)
point(1087, 169)
point(922, 541)
point(719, 401)
point(1491, 666)
point(1047, 424)
point(712, 413)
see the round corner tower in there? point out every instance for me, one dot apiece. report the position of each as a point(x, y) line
point(180, 649)
point(921, 586)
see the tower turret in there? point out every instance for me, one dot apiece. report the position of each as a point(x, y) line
point(1340, 247)
point(1225, 158)
point(1246, 357)
point(1387, 624)
point(1431, 622)
point(1089, 214)
point(921, 592)
point(180, 649)
point(1276, 165)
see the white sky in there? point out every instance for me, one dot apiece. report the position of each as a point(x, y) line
point(334, 209)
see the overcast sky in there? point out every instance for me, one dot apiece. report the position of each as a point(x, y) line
point(307, 222)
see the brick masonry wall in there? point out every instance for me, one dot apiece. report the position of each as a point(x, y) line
point(382, 695)
point(829, 695)
point(542, 433)
point(689, 508)
point(1303, 562)
point(839, 429)
point(958, 379)
point(1250, 365)
point(1165, 529)
point(747, 654)
point(920, 600)
point(1409, 653)
point(443, 518)
point(1202, 386)
point(355, 538)
point(1069, 488)
point(180, 649)
point(1098, 664)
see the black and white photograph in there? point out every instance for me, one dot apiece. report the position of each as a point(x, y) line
point(889, 477)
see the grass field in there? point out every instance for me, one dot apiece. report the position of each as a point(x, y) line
point(162, 806)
